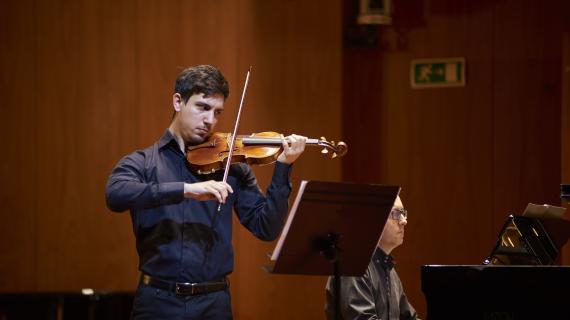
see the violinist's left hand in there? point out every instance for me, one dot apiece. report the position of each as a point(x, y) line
point(293, 146)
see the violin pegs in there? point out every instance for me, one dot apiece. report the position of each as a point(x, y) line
point(324, 151)
point(334, 155)
point(323, 138)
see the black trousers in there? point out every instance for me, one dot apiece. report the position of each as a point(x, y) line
point(153, 303)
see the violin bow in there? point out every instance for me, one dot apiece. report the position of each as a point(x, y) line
point(231, 152)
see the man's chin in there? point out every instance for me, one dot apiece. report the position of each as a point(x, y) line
point(196, 139)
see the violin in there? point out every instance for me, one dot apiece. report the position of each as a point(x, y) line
point(255, 149)
point(260, 148)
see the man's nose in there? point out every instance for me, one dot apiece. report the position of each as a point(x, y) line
point(209, 117)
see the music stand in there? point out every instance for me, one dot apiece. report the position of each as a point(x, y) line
point(333, 229)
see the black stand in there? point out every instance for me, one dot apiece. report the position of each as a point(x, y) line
point(565, 192)
point(332, 253)
point(333, 229)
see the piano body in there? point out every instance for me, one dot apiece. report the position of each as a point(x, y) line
point(493, 292)
point(519, 280)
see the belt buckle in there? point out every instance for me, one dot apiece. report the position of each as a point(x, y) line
point(182, 288)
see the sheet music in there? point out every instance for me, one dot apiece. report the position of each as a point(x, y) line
point(283, 235)
point(543, 211)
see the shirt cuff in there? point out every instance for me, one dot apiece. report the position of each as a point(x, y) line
point(282, 173)
point(171, 192)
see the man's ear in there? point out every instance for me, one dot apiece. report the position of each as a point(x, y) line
point(177, 102)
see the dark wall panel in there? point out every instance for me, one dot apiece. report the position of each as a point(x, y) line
point(466, 157)
point(565, 141)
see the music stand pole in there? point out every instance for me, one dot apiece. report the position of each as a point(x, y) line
point(331, 251)
point(337, 290)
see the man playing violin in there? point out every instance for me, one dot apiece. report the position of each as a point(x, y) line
point(183, 241)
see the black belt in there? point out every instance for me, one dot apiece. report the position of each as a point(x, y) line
point(186, 288)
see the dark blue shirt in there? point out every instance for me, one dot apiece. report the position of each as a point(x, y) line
point(186, 240)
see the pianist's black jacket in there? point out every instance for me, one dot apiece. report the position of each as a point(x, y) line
point(376, 295)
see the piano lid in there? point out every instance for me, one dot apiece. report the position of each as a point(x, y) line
point(532, 239)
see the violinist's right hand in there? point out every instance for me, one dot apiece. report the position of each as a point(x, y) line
point(208, 190)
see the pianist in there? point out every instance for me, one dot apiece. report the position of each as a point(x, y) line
point(379, 293)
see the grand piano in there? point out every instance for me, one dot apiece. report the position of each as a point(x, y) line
point(519, 280)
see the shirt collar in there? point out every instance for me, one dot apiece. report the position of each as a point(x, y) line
point(385, 260)
point(168, 140)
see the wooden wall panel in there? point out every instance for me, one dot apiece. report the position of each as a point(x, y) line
point(527, 98)
point(294, 88)
point(214, 39)
point(114, 104)
point(96, 79)
point(18, 168)
point(158, 49)
point(85, 75)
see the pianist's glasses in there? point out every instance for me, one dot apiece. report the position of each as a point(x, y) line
point(399, 214)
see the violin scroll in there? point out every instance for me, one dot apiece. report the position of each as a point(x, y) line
point(338, 149)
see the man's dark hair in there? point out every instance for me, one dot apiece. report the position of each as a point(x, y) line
point(204, 79)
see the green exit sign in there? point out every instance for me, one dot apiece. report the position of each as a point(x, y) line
point(432, 73)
